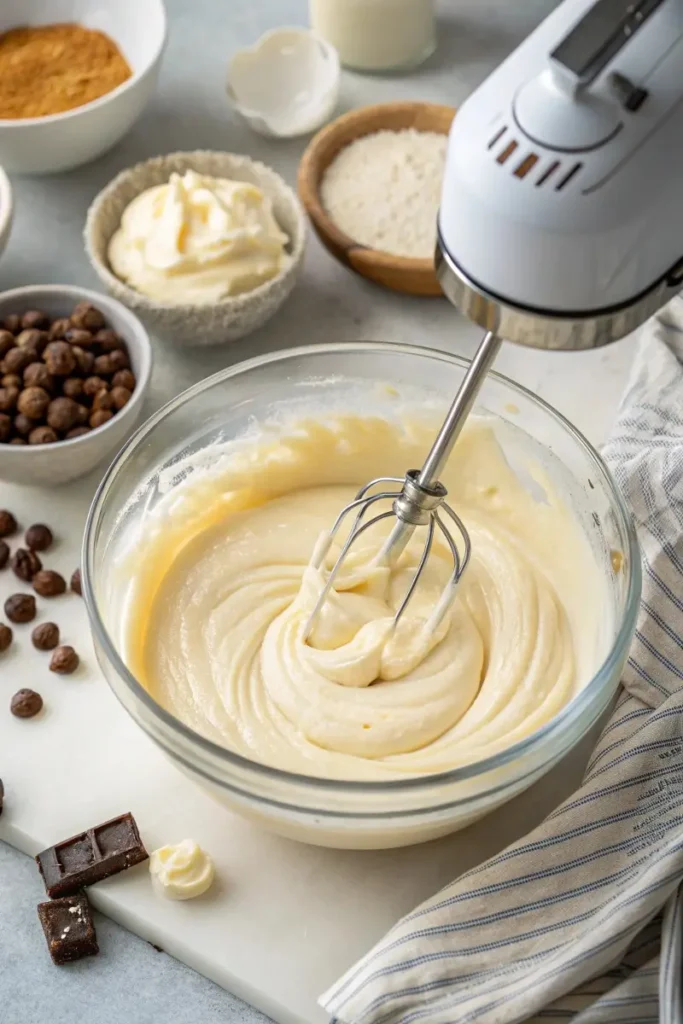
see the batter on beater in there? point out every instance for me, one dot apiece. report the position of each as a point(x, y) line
point(215, 627)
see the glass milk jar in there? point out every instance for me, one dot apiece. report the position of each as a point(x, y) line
point(377, 35)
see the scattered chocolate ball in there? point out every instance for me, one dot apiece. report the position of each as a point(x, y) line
point(124, 379)
point(11, 380)
point(73, 387)
point(100, 417)
point(76, 582)
point(12, 323)
point(59, 328)
point(48, 583)
point(17, 359)
point(26, 703)
point(25, 564)
point(45, 637)
point(60, 358)
point(23, 425)
point(5, 426)
point(8, 399)
point(87, 316)
point(120, 397)
point(33, 402)
point(6, 342)
point(93, 385)
point(5, 636)
point(37, 375)
point(77, 432)
point(84, 360)
point(62, 414)
point(42, 435)
point(35, 318)
point(38, 537)
point(32, 341)
point(4, 553)
point(20, 608)
point(64, 660)
point(103, 400)
point(8, 523)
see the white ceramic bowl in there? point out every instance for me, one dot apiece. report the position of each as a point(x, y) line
point(6, 210)
point(192, 324)
point(286, 84)
point(37, 465)
point(44, 145)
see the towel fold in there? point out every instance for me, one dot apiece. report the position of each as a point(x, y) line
point(581, 920)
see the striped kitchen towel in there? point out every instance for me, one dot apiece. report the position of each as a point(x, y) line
point(583, 919)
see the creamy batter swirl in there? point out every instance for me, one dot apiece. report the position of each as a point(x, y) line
point(215, 626)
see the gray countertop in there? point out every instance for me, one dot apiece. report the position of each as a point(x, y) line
point(134, 982)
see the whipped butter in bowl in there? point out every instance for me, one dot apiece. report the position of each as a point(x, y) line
point(198, 239)
point(204, 246)
point(360, 736)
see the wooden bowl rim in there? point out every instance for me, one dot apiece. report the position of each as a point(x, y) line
point(310, 174)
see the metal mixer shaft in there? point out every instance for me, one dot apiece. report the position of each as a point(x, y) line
point(418, 503)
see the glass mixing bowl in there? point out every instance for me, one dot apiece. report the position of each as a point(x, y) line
point(354, 377)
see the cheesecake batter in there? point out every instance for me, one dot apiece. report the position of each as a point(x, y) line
point(221, 596)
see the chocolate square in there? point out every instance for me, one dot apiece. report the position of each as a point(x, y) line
point(69, 929)
point(91, 856)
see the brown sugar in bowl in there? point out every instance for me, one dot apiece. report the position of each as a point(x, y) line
point(400, 273)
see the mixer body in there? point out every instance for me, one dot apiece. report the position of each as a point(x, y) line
point(561, 220)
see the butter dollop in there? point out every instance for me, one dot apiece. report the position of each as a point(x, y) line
point(198, 239)
point(182, 871)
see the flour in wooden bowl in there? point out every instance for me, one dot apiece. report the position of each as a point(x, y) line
point(383, 190)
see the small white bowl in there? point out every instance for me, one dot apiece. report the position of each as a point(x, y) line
point(192, 324)
point(44, 145)
point(6, 210)
point(58, 463)
point(285, 85)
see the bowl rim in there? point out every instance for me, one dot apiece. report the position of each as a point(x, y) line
point(64, 115)
point(564, 718)
point(309, 176)
point(16, 451)
point(143, 302)
point(6, 202)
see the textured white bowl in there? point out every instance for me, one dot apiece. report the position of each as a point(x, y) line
point(286, 84)
point(43, 145)
point(38, 465)
point(6, 210)
point(192, 324)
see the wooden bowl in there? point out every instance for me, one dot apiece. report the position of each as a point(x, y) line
point(412, 276)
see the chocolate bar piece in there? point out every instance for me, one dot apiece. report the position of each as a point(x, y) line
point(91, 856)
point(69, 928)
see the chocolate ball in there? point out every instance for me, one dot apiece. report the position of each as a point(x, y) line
point(87, 316)
point(37, 375)
point(8, 523)
point(64, 660)
point(62, 414)
point(26, 703)
point(77, 336)
point(124, 379)
point(5, 426)
point(35, 318)
point(25, 564)
point(23, 425)
point(8, 399)
point(45, 637)
point(32, 340)
point(93, 385)
point(73, 387)
point(6, 342)
point(33, 402)
point(48, 583)
point(84, 360)
point(20, 608)
point(59, 358)
point(100, 417)
point(58, 328)
point(103, 400)
point(38, 537)
point(17, 359)
point(5, 636)
point(42, 435)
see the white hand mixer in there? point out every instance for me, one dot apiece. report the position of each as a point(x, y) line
point(560, 227)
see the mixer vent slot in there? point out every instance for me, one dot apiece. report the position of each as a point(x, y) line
point(568, 176)
point(527, 164)
point(496, 138)
point(548, 172)
point(507, 152)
